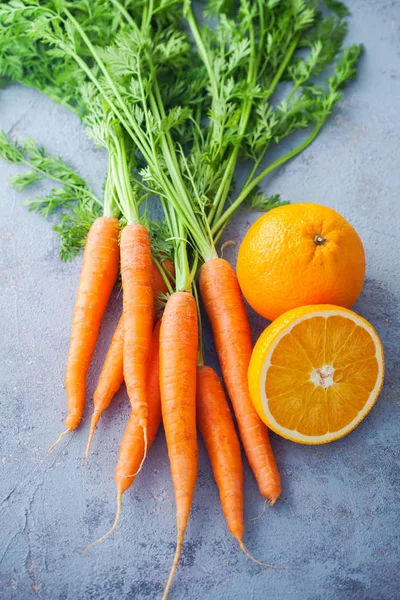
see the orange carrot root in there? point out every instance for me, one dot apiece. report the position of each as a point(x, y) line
point(110, 380)
point(99, 273)
point(136, 440)
point(112, 373)
point(178, 358)
point(219, 435)
point(137, 283)
point(220, 439)
point(233, 342)
point(133, 475)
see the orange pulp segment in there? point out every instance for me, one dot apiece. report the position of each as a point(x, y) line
point(316, 372)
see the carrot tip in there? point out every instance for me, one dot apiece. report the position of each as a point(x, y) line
point(58, 440)
point(94, 420)
point(178, 551)
point(114, 525)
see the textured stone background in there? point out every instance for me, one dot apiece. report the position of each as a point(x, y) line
point(342, 539)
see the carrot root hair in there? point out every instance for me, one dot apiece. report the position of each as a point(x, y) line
point(179, 544)
point(266, 501)
point(144, 452)
point(114, 525)
point(258, 562)
point(93, 423)
point(288, 503)
point(272, 504)
point(144, 427)
point(58, 440)
point(225, 244)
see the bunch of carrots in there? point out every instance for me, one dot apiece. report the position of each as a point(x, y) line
point(159, 359)
point(176, 105)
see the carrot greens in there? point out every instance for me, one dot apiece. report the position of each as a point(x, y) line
point(264, 62)
point(250, 75)
point(76, 205)
point(130, 79)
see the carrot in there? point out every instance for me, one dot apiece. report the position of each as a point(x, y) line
point(112, 373)
point(132, 445)
point(136, 270)
point(132, 448)
point(110, 380)
point(219, 435)
point(98, 276)
point(224, 305)
point(178, 357)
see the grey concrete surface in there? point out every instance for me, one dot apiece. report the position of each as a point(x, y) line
point(340, 535)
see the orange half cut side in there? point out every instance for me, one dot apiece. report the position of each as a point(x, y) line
point(316, 372)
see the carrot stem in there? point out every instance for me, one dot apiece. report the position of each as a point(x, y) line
point(224, 219)
point(165, 274)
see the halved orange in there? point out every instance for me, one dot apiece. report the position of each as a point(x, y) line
point(316, 372)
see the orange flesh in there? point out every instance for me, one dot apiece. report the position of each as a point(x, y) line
point(321, 375)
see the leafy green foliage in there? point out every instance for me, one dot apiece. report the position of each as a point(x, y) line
point(248, 51)
point(74, 204)
point(112, 66)
point(73, 227)
point(259, 201)
point(338, 7)
point(161, 243)
point(177, 114)
point(20, 181)
point(9, 151)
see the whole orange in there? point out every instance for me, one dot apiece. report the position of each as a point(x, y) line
point(300, 254)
